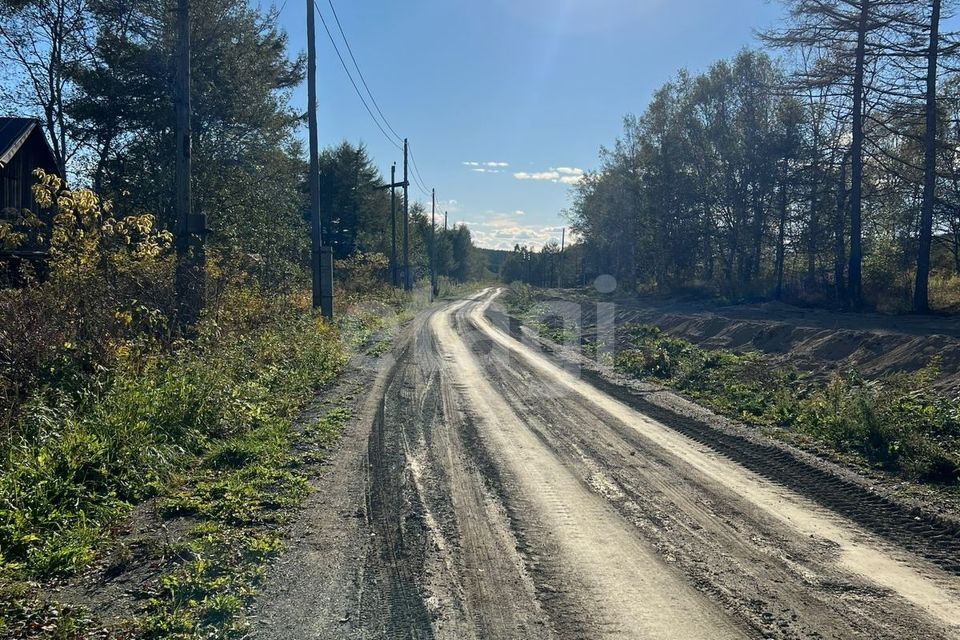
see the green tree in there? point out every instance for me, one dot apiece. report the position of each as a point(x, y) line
point(356, 214)
point(247, 170)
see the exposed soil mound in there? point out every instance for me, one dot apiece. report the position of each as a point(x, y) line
point(818, 341)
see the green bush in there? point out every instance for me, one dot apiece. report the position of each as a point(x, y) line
point(898, 423)
point(519, 298)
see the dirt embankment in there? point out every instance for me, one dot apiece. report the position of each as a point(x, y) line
point(813, 340)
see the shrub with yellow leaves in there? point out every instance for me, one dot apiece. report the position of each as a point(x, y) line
point(85, 232)
point(108, 287)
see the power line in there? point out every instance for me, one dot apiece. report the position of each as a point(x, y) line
point(421, 183)
point(352, 81)
point(360, 73)
point(417, 176)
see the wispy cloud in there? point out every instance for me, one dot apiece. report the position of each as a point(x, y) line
point(560, 175)
point(450, 206)
point(486, 167)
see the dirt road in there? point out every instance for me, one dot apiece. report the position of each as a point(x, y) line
point(490, 489)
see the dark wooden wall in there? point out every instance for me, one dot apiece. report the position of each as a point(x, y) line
point(16, 179)
point(16, 194)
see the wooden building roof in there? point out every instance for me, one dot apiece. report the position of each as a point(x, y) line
point(14, 134)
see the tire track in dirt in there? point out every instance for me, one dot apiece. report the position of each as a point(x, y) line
point(923, 533)
point(392, 604)
point(781, 584)
point(444, 562)
point(924, 585)
point(615, 587)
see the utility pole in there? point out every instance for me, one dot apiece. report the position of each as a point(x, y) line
point(321, 258)
point(407, 284)
point(394, 268)
point(191, 229)
point(393, 224)
point(444, 222)
point(433, 243)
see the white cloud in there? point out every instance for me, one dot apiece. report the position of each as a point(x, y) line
point(560, 175)
point(486, 167)
point(503, 231)
point(542, 175)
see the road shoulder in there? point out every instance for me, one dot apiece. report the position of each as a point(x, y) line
point(312, 590)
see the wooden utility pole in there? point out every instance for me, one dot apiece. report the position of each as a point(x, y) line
point(314, 178)
point(321, 262)
point(407, 283)
point(191, 229)
point(444, 222)
point(394, 268)
point(393, 224)
point(433, 242)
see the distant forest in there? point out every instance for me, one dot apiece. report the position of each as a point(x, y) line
point(823, 169)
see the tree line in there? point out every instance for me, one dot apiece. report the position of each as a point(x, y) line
point(822, 169)
point(99, 74)
point(351, 186)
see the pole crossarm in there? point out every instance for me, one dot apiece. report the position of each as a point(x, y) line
point(395, 185)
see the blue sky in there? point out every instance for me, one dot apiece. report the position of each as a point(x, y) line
point(534, 86)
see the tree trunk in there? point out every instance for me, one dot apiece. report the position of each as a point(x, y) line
point(854, 279)
point(839, 248)
point(921, 301)
point(781, 232)
point(813, 232)
point(956, 253)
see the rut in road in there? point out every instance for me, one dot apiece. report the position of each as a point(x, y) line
point(921, 532)
point(610, 583)
point(878, 567)
point(444, 562)
point(507, 498)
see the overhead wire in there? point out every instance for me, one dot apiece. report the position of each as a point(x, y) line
point(360, 73)
point(352, 81)
point(396, 140)
point(417, 178)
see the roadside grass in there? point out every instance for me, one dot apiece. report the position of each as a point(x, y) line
point(898, 423)
point(207, 433)
point(238, 505)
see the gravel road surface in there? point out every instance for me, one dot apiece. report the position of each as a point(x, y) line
point(489, 488)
